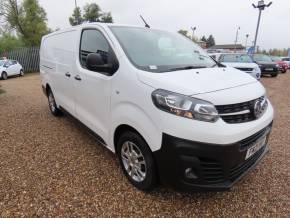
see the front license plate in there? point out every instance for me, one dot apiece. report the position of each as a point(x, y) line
point(256, 147)
point(269, 69)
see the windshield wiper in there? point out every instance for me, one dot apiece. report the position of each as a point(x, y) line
point(186, 68)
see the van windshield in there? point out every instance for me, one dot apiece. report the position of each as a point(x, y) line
point(161, 51)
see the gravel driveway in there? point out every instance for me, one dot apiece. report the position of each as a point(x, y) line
point(52, 167)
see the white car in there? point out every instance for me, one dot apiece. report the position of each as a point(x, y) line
point(239, 61)
point(287, 60)
point(10, 68)
point(157, 100)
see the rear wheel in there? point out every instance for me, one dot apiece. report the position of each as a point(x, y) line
point(4, 75)
point(21, 73)
point(137, 161)
point(52, 104)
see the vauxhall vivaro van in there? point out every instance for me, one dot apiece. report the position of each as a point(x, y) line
point(169, 111)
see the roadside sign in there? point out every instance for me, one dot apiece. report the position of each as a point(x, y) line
point(251, 50)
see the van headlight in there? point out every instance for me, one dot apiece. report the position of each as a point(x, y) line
point(184, 106)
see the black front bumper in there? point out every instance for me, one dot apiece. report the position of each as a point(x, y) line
point(215, 167)
point(264, 69)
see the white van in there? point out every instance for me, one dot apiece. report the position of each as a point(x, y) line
point(157, 100)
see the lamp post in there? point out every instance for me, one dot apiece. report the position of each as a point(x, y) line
point(193, 30)
point(246, 43)
point(237, 35)
point(261, 6)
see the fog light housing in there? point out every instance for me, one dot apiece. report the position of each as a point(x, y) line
point(190, 174)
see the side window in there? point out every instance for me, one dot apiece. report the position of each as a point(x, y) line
point(221, 59)
point(93, 41)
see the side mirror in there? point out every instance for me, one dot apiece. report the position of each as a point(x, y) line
point(95, 62)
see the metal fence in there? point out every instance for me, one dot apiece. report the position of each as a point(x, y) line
point(27, 57)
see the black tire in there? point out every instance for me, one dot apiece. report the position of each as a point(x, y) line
point(21, 73)
point(274, 74)
point(150, 179)
point(52, 104)
point(4, 75)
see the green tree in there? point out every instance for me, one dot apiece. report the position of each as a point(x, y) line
point(92, 12)
point(107, 18)
point(210, 41)
point(76, 17)
point(9, 42)
point(203, 38)
point(27, 17)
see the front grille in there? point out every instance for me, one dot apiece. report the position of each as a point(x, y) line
point(244, 69)
point(212, 171)
point(238, 113)
point(237, 171)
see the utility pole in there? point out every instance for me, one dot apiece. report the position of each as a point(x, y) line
point(193, 30)
point(261, 6)
point(247, 37)
point(237, 35)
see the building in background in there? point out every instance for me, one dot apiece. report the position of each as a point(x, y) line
point(226, 48)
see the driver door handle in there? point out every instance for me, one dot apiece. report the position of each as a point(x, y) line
point(67, 74)
point(77, 77)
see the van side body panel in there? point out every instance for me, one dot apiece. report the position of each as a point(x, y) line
point(57, 58)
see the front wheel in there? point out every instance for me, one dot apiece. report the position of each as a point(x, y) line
point(21, 73)
point(4, 75)
point(137, 161)
point(52, 104)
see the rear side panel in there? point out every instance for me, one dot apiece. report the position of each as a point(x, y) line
point(57, 57)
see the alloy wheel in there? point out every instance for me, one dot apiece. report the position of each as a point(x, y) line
point(133, 161)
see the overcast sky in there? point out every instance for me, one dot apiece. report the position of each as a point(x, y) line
point(218, 17)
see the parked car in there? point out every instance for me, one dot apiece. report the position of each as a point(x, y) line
point(10, 68)
point(283, 66)
point(156, 99)
point(287, 60)
point(239, 61)
point(266, 64)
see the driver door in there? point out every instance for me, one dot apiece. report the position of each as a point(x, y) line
point(93, 89)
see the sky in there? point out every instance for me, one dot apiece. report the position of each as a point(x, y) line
point(221, 18)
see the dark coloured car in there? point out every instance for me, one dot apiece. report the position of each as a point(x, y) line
point(266, 64)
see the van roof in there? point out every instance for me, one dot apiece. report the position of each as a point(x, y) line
point(90, 25)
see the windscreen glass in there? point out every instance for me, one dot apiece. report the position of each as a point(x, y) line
point(161, 51)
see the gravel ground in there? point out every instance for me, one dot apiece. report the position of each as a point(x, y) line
point(52, 167)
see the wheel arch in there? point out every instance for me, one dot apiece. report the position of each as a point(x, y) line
point(128, 116)
point(122, 128)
